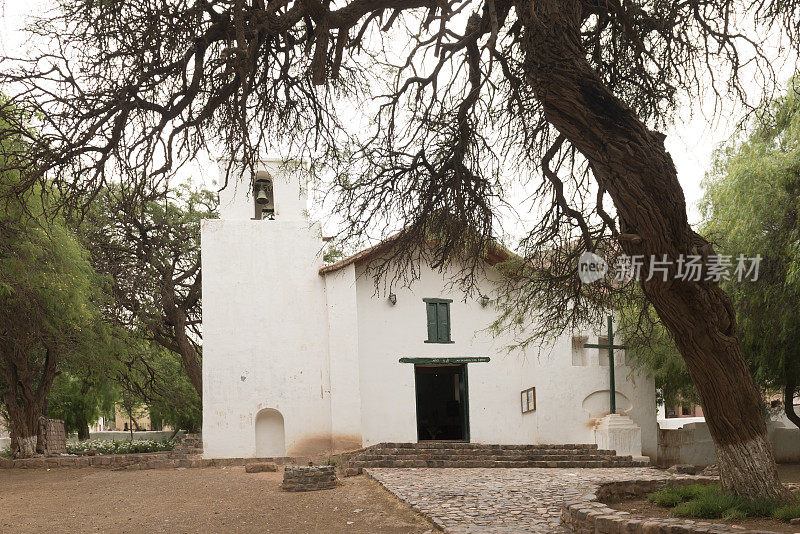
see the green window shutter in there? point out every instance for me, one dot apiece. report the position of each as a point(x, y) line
point(433, 335)
point(443, 319)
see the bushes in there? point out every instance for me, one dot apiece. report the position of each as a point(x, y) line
point(120, 447)
point(710, 502)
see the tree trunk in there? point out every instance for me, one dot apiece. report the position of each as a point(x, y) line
point(26, 447)
point(632, 165)
point(183, 345)
point(24, 399)
point(83, 426)
point(788, 400)
point(24, 428)
point(135, 425)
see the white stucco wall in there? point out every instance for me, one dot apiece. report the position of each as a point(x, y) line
point(340, 292)
point(387, 333)
point(265, 333)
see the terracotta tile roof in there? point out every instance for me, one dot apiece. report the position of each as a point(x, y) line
point(496, 254)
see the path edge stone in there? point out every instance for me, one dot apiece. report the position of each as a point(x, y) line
point(590, 514)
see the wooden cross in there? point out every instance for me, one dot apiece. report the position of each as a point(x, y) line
point(610, 346)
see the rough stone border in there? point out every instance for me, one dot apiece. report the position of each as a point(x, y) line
point(590, 515)
point(148, 460)
point(309, 478)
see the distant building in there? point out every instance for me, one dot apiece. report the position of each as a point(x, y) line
point(683, 410)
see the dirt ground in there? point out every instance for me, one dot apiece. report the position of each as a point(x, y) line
point(193, 500)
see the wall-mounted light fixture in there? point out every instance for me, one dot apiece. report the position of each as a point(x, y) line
point(392, 299)
point(484, 301)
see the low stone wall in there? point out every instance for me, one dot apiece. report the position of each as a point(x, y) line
point(150, 460)
point(52, 438)
point(786, 444)
point(693, 445)
point(121, 435)
point(590, 514)
point(309, 478)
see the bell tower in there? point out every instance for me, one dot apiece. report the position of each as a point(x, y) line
point(264, 195)
point(261, 261)
point(276, 191)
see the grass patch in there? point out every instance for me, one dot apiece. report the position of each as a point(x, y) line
point(710, 502)
point(669, 497)
point(787, 512)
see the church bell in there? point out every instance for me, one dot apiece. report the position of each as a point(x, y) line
point(261, 198)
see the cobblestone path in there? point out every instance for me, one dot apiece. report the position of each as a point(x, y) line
point(479, 500)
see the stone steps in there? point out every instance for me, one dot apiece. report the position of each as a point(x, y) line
point(484, 446)
point(456, 454)
point(553, 454)
point(509, 458)
point(620, 462)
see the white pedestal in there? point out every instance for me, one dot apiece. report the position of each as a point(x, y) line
point(619, 433)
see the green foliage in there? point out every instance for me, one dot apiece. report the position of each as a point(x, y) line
point(151, 253)
point(333, 253)
point(710, 502)
point(120, 447)
point(152, 375)
point(48, 297)
point(651, 349)
point(178, 404)
point(80, 400)
point(751, 206)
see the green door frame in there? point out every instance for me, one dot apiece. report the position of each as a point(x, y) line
point(463, 386)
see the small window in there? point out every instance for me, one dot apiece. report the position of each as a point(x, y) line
point(578, 350)
point(438, 314)
point(528, 399)
point(602, 354)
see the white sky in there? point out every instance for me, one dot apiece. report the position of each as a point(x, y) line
point(690, 141)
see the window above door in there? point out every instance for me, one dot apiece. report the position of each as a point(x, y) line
point(438, 316)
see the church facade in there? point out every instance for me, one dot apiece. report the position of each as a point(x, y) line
point(303, 358)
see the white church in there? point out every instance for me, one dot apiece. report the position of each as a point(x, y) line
point(302, 358)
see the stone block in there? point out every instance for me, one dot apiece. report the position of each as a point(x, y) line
point(684, 469)
point(309, 478)
point(51, 438)
point(260, 467)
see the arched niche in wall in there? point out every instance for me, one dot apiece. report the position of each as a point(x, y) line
point(270, 434)
point(597, 404)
